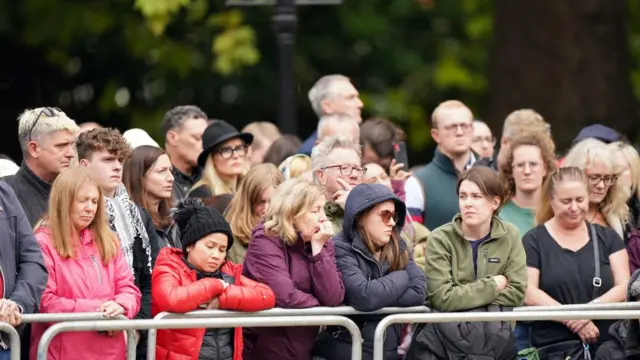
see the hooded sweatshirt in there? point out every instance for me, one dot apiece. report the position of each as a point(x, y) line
point(369, 283)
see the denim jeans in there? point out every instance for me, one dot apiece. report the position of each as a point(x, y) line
point(5, 354)
point(523, 335)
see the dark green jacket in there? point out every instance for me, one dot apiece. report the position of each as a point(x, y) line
point(439, 180)
point(451, 282)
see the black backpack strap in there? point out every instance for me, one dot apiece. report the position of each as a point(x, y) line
point(597, 280)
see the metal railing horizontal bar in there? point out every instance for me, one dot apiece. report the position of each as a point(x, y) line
point(90, 316)
point(583, 307)
point(314, 311)
point(265, 321)
point(14, 340)
point(378, 339)
point(61, 317)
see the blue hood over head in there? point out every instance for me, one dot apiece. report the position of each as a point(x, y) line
point(365, 196)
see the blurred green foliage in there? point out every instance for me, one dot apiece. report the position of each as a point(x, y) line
point(124, 64)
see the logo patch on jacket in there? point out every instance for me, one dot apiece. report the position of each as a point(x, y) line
point(493, 260)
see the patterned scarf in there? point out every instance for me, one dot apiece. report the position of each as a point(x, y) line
point(126, 222)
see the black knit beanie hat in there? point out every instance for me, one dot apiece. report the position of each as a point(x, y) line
point(196, 221)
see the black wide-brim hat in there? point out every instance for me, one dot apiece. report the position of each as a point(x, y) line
point(217, 133)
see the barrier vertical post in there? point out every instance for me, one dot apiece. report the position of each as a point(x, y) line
point(14, 340)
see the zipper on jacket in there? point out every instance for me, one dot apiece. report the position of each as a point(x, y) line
point(95, 265)
point(486, 261)
point(370, 259)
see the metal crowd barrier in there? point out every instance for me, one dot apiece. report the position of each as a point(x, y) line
point(14, 340)
point(92, 316)
point(583, 307)
point(263, 321)
point(521, 315)
point(315, 311)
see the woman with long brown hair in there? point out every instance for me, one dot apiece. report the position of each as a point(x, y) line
point(249, 206)
point(87, 270)
point(376, 267)
point(149, 182)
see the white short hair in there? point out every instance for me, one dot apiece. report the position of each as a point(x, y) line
point(46, 125)
point(323, 89)
point(327, 121)
point(321, 152)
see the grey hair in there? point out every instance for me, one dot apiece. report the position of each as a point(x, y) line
point(176, 116)
point(327, 120)
point(321, 152)
point(323, 89)
point(46, 125)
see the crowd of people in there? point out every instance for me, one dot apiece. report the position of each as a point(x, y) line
point(93, 220)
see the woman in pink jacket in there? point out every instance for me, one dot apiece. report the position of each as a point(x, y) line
point(87, 271)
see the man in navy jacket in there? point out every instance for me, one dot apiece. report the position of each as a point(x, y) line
point(23, 273)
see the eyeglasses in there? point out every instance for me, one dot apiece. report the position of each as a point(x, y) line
point(227, 152)
point(49, 112)
point(480, 139)
point(387, 215)
point(347, 170)
point(455, 127)
point(533, 166)
point(594, 179)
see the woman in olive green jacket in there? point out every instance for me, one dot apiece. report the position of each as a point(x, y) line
point(477, 259)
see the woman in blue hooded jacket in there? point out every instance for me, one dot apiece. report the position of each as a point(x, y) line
point(377, 270)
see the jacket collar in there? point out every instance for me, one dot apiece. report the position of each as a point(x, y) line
point(498, 229)
point(34, 181)
point(445, 164)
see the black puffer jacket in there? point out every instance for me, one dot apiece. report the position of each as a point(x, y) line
point(464, 340)
point(625, 334)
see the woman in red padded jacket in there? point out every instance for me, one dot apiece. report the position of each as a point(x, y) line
point(200, 277)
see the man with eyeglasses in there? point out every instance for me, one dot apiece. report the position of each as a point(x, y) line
point(336, 165)
point(47, 140)
point(431, 192)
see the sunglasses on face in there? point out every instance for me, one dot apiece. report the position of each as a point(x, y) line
point(387, 215)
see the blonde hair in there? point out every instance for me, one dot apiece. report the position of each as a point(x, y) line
point(631, 156)
point(524, 121)
point(571, 173)
point(263, 129)
point(63, 194)
point(447, 105)
point(212, 180)
point(239, 214)
point(45, 126)
point(293, 198)
point(321, 152)
point(590, 151)
point(295, 165)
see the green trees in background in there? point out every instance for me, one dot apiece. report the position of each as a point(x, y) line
point(124, 64)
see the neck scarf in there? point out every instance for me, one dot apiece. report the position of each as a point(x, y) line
point(126, 222)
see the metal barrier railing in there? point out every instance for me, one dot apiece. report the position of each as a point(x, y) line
point(14, 340)
point(92, 316)
point(583, 307)
point(279, 321)
point(521, 315)
point(315, 311)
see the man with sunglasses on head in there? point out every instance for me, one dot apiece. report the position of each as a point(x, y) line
point(336, 164)
point(47, 140)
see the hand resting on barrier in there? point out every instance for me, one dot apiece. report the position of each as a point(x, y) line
point(10, 312)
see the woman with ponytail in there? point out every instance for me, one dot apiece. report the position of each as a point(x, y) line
point(199, 276)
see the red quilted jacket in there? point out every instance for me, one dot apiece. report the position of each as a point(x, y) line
point(176, 289)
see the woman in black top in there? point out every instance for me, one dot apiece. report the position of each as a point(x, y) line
point(561, 261)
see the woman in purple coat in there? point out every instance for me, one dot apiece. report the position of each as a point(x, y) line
point(292, 254)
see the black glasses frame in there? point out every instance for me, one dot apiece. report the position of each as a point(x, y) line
point(362, 170)
point(241, 150)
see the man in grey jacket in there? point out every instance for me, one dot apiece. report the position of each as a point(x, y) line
point(23, 273)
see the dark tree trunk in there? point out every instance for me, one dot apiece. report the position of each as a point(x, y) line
point(567, 59)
